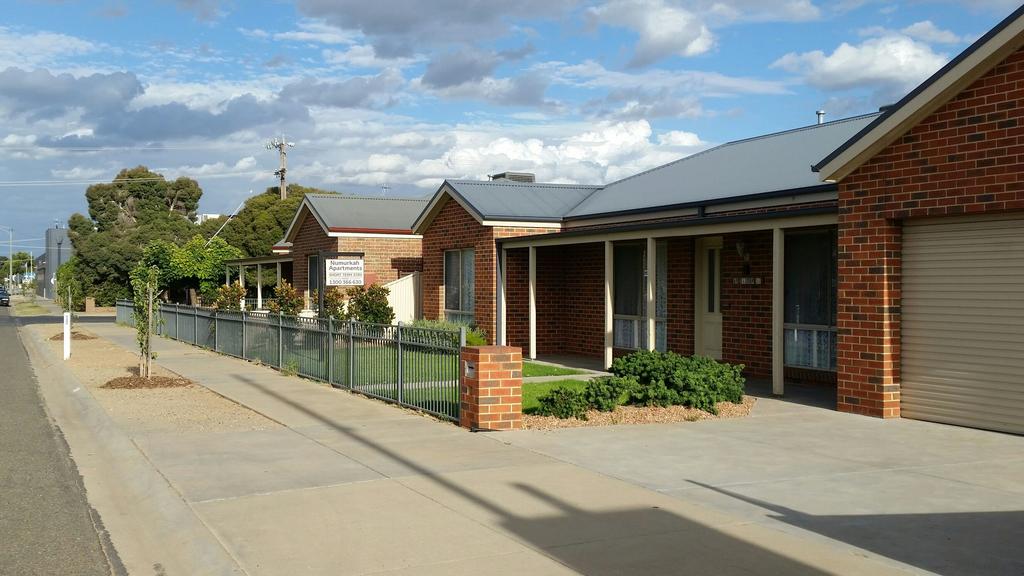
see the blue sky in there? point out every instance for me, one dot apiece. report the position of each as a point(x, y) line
point(405, 93)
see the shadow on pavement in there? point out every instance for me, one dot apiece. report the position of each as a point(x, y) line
point(664, 543)
point(954, 543)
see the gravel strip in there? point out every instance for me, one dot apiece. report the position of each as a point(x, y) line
point(641, 415)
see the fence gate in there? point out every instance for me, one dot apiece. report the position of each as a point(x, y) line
point(415, 367)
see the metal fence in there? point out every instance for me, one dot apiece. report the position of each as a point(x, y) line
point(414, 367)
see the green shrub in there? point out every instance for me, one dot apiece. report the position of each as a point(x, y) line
point(474, 336)
point(287, 300)
point(664, 379)
point(564, 403)
point(605, 394)
point(229, 297)
point(370, 305)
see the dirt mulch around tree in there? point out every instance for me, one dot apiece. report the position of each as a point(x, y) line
point(138, 382)
point(74, 336)
point(641, 415)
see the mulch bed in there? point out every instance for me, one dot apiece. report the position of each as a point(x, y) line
point(138, 382)
point(74, 336)
point(641, 415)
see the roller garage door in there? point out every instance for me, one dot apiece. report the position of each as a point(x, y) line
point(963, 322)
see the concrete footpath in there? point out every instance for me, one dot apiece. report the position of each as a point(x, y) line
point(355, 486)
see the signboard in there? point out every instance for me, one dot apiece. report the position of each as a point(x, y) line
point(344, 272)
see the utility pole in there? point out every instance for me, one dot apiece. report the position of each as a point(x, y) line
point(281, 145)
point(10, 256)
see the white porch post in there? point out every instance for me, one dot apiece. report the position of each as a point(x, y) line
point(241, 282)
point(533, 302)
point(502, 304)
point(609, 307)
point(278, 275)
point(778, 310)
point(259, 286)
point(652, 313)
point(227, 275)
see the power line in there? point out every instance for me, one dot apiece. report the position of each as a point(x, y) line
point(14, 183)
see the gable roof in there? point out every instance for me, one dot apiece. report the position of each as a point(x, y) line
point(357, 214)
point(507, 200)
point(980, 57)
point(760, 166)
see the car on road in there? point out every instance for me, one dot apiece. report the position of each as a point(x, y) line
point(5, 298)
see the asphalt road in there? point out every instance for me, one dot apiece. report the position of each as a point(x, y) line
point(46, 524)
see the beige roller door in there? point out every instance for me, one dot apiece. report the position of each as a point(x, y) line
point(963, 322)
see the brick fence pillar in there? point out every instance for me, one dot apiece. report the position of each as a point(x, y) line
point(491, 388)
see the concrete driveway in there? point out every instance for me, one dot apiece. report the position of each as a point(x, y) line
point(932, 497)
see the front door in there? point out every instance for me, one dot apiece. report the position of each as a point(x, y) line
point(708, 280)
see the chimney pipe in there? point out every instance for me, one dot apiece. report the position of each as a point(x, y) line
point(821, 116)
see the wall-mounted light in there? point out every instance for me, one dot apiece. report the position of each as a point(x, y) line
point(741, 250)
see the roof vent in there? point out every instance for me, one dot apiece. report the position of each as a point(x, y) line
point(821, 116)
point(515, 176)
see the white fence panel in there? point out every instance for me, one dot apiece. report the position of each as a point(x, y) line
point(406, 298)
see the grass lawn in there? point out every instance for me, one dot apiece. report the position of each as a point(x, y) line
point(534, 390)
point(28, 309)
point(532, 369)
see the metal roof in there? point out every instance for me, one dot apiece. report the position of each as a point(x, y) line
point(770, 163)
point(509, 200)
point(339, 212)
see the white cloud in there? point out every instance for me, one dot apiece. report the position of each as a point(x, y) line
point(891, 65)
point(664, 30)
point(926, 31)
point(79, 173)
point(33, 49)
point(317, 32)
point(365, 56)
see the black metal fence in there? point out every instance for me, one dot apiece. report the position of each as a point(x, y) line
point(414, 367)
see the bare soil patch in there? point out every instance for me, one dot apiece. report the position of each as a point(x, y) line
point(641, 415)
point(138, 382)
point(74, 336)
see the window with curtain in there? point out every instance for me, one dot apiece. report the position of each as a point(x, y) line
point(630, 305)
point(459, 276)
point(810, 307)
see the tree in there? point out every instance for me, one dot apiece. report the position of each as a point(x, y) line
point(68, 287)
point(192, 269)
point(137, 208)
point(264, 219)
point(144, 283)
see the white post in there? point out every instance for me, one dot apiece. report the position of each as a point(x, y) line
point(227, 275)
point(652, 313)
point(259, 286)
point(533, 302)
point(502, 304)
point(778, 310)
point(609, 303)
point(241, 282)
point(278, 275)
point(67, 335)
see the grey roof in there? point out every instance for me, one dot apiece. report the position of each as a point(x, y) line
point(771, 163)
point(337, 211)
point(506, 199)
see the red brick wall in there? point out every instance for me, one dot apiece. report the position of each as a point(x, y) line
point(747, 308)
point(517, 294)
point(680, 295)
point(965, 158)
point(492, 397)
point(309, 240)
point(386, 259)
point(454, 228)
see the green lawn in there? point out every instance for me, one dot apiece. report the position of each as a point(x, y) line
point(534, 390)
point(532, 369)
point(28, 309)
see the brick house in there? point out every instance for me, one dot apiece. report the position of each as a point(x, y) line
point(893, 271)
point(378, 228)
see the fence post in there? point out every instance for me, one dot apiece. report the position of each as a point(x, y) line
point(330, 350)
point(401, 376)
point(177, 322)
point(280, 340)
point(351, 354)
point(243, 334)
point(195, 326)
point(462, 337)
point(216, 332)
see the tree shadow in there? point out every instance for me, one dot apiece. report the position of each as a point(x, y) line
point(950, 543)
point(647, 540)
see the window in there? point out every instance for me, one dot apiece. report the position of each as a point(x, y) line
point(810, 307)
point(313, 282)
point(459, 276)
point(630, 292)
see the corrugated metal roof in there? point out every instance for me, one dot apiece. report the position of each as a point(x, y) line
point(770, 163)
point(360, 213)
point(506, 199)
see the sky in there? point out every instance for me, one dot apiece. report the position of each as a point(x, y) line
point(390, 97)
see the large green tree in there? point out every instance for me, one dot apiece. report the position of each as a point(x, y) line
point(264, 219)
point(137, 208)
